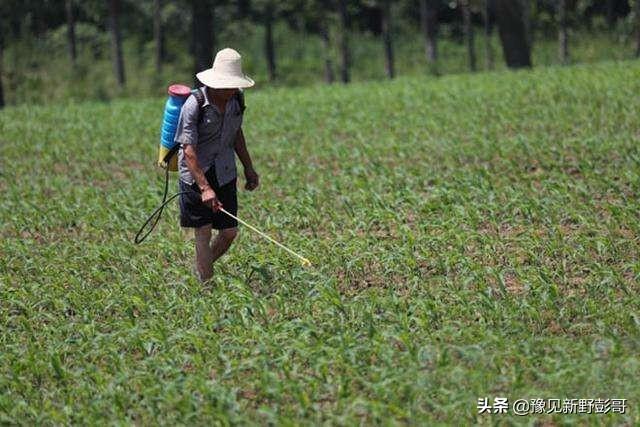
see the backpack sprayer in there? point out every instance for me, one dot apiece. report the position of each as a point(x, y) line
point(168, 160)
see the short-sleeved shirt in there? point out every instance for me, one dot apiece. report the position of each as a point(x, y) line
point(214, 137)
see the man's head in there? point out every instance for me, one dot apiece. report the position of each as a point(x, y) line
point(226, 72)
point(223, 94)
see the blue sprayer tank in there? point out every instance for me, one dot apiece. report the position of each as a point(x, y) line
point(178, 94)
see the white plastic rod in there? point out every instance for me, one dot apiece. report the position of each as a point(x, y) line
point(305, 261)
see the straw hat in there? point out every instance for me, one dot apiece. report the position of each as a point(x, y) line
point(226, 72)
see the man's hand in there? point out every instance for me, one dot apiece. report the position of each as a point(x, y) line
point(210, 199)
point(253, 179)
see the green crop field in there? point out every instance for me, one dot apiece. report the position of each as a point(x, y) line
point(472, 236)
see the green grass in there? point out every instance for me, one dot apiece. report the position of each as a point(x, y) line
point(471, 236)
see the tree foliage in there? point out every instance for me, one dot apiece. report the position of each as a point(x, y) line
point(165, 32)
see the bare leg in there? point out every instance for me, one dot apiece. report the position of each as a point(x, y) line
point(222, 242)
point(204, 255)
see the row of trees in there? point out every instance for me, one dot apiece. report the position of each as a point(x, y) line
point(514, 20)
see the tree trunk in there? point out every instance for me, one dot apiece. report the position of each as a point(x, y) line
point(116, 42)
point(529, 22)
point(611, 15)
point(563, 36)
point(269, 50)
point(202, 20)
point(158, 34)
point(1, 73)
point(326, 48)
point(71, 31)
point(488, 32)
point(345, 55)
point(387, 38)
point(513, 33)
point(637, 28)
point(429, 24)
point(468, 34)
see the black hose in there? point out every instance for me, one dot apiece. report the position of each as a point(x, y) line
point(158, 211)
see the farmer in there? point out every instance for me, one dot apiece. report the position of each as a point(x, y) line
point(209, 133)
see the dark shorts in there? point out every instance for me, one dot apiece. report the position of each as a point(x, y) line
point(193, 213)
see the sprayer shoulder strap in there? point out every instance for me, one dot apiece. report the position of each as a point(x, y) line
point(197, 93)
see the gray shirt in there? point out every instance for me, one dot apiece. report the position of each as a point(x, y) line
point(214, 137)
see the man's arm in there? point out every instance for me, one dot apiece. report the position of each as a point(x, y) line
point(208, 195)
point(241, 150)
point(253, 180)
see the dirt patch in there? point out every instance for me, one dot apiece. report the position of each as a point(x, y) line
point(513, 285)
point(372, 275)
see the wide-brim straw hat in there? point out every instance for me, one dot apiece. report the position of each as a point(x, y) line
point(226, 72)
